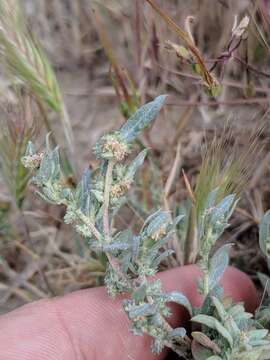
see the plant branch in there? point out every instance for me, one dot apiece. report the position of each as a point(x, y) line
point(107, 190)
point(89, 223)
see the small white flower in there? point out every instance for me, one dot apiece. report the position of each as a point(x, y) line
point(239, 29)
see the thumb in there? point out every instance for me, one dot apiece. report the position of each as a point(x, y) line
point(87, 324)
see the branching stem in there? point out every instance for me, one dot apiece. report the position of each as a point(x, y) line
point(106, 204)
point(91, 226)
point(205, 283)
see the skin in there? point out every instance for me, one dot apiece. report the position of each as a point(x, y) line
point(88, 325)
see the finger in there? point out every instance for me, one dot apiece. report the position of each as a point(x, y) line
point(89, 325)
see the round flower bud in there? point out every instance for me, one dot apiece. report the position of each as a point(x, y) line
point(112, 147)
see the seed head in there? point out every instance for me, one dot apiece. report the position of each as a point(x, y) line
point(112, 146)
point(32, 161)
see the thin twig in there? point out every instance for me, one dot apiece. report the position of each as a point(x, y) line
point(174, 243)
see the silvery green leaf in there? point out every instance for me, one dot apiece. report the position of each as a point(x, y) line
point(55, 160)
point(136, 241)
point(220, 308)
point(86, 205)
point(199, 352)
point(150, 218)
point(135, 164)
point(215, 219)
point(258, 342)
point(264, 236)
point(45, 169)
point(140, 293)
point(214, 357)
point(178, 219)
point(207, 305)
point(211, 199)
point(163, 240)
point(159, 221)
point(123, 236)
point(157, 346)
point(265, 281)
point(141, 119)
point(116, 246)
point(204, 340)
point(162, 257)
point(178, 332)
point(126, 263)
point(243, 320)
point(45, 197)
point(67, 193)
point(157, 320)
point(236, 309)
point(228, 321)
point(213, 323)
point(223, 210)
point(224, 332)
point(257, 334)
point(254, 354)
point(206, 320)
point(98, 195)
point(218, 264)
point(142, 310)
point(179, 298)
point(30, 149)
point(84, 186)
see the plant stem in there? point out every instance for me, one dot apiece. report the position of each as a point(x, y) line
point(178, 348)
point(175, 242)
point(91, 226)
point(107, 190)
point(205, 283)
point(114, 264)
point(191, 241)
point(106, 217)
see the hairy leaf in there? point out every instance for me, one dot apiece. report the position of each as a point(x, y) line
point(178, 332)
point(158, 222)
point(199, 352)
point(213, 323)
point(142, 310)
point(135, 164)
point(180, 299)
point(205, 341)
point(264, 236)
point(217, 265)
point(142, 118)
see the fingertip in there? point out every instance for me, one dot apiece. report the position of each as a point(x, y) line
point(240, 287)
point(236, 284)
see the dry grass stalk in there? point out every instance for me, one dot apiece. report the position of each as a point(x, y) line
point(26, 61)
point(18, 127)
point(209, 80)
point(228, 169)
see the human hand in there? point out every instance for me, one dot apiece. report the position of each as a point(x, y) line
point(88, 325)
